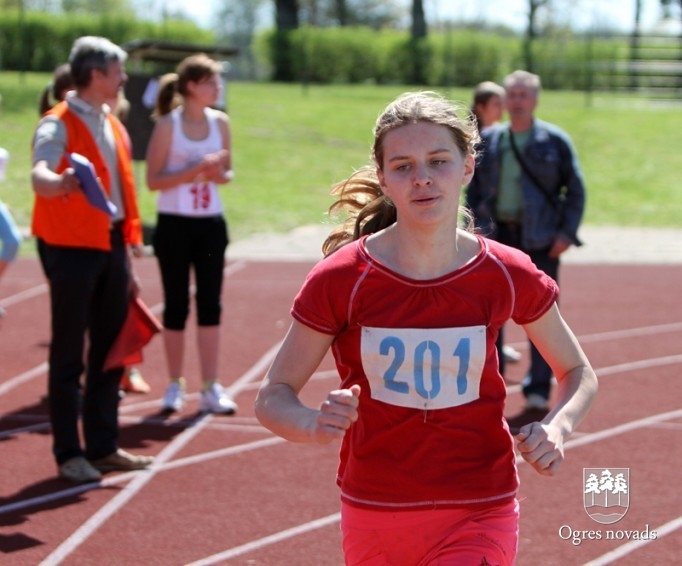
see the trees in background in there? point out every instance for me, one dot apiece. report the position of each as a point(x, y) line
point(286, 20)
point(235, 26)
point(119, 7)
point(374, 13)
point(531, 32)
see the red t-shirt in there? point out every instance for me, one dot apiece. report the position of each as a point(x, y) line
point(430, 431)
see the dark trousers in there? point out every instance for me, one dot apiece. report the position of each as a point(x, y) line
point(88, 297)
point(538, 380)
point(180, 245)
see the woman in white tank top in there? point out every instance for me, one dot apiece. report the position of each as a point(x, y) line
point(188, 157)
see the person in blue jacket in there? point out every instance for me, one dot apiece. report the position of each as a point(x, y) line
point(528, 192)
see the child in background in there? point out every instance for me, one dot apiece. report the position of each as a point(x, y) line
point(188, 157)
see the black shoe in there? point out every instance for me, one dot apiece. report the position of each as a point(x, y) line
point(528, 415)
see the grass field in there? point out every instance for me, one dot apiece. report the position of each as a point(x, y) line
point(291, 143)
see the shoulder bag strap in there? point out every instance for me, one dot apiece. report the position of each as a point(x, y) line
point(533, 178)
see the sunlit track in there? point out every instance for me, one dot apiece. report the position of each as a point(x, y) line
point(24, 295)
point(582, 440)
point(268, 540)
point(119, 500)
point(634, 545)
point(262, 364)
point(257, 370)
point(37, 371)
point(158, 466)
point(41, 369)
point(139, 479)
point(275, 502)
point(587, 338)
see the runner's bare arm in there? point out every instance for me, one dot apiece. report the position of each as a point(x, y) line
point(278, 406)
point(542, 444)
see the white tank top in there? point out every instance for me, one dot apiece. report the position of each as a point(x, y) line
point(201, 197)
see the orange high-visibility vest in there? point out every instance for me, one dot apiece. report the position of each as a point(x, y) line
point(70, 220)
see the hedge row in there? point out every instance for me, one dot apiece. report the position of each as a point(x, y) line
point(458, 57)
point(42, 41)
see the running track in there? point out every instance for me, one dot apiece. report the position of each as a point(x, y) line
point(226, 491)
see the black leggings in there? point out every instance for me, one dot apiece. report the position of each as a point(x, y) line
point(180, 243)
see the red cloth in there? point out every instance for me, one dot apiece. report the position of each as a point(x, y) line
point(138, 329)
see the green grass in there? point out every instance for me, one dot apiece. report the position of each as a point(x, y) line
point(291, 144)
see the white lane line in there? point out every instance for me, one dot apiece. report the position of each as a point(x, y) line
point(617, 334)
point(127, 492)
point(271, 539)
point(600, 337)
point(633, 545)
point(42, 368)
point(261, 366)
point(621, 368)
point(631, 332)
point(588, 438)
point(24, 295)
point(592, 437)
point(23, 377)
point(312, 525)
point(125, 477)
point(130, 490)
point(44, 287)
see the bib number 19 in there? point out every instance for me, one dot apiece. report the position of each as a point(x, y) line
point(201, 196)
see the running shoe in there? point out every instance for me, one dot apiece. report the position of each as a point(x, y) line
point(122, 461)
point(216, 400)
point(79, 470)
point(133, 382)
point(511, 355)
point(174, 397)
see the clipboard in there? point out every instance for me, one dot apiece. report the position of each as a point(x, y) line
point(91, 186)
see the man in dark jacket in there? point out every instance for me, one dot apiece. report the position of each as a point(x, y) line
point(528, 192)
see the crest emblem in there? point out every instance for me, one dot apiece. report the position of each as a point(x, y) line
point(606, 493)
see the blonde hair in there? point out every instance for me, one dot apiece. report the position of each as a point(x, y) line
point(360, 198)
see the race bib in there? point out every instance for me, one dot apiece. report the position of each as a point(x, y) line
point(199, 199)
point(432, 368)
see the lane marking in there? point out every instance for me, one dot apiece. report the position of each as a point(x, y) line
point(127, 476)
point(23, 378)
point(268, 540)
point(24, 295)
point(160, 466)
point(95, 521)
point(43, 288)
point(633, 545)
point(42, 368)
point(242, 384)
point(131, 489)
point(139, 479)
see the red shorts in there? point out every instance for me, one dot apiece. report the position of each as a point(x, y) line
point(461, 537)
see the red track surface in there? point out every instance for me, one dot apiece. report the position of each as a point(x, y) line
point(226, 491)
